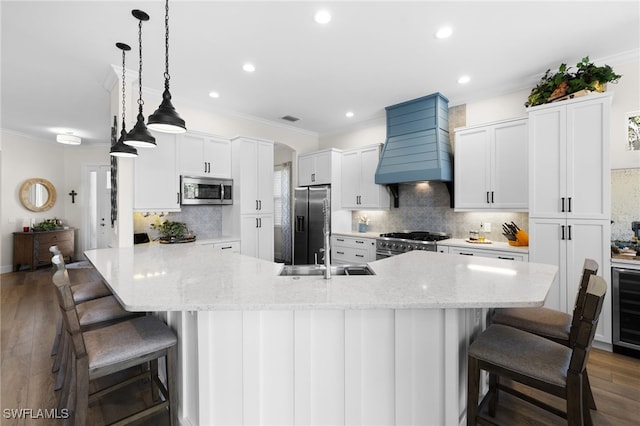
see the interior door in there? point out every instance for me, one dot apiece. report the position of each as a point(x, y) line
point(97, 210)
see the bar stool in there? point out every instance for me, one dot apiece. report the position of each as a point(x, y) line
point(104, 351)
point(536, 362)
point(550, 323)
point(93, 313)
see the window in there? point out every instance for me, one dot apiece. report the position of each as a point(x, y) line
point(277, 196)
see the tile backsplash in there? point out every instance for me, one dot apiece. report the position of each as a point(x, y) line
point(203, 221)
point(625, 202)
point(426, 206)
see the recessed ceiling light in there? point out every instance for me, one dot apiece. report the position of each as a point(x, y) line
point(444, 32)
point(349, 114)
point(249, 67)
point(214, 94)
point(322, 17)
point(464, 79)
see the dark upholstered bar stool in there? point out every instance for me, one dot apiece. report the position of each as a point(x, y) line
point(107, 350)
point(93, 313)
point(550, 323)
point(536, 362)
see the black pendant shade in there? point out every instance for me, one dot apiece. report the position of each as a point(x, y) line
point(139, 136)
point(165, 118)
point(120, 149)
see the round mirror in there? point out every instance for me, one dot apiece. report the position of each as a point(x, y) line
point(37, 194)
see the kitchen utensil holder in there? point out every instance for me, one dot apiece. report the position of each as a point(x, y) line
point(522, 239)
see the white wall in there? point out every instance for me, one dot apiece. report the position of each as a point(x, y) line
point(25, 158)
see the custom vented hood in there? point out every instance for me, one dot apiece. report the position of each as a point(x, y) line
point(417, 147)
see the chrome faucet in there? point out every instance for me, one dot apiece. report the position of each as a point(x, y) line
point(327, 232)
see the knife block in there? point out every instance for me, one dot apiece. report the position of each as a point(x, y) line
point(522, 239)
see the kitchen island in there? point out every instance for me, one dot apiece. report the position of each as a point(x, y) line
point(258, 348)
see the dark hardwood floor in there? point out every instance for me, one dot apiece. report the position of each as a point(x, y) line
point(28, 320)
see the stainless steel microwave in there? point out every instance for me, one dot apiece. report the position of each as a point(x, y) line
point(202, 190)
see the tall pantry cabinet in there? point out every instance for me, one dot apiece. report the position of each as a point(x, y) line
point(569, 195)
point(251, 215)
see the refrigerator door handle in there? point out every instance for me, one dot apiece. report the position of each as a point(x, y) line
point(299, 223)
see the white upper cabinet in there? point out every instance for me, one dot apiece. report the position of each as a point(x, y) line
point(203, 155)
point(359, 190)
point(569, 154)
point(491, 166)
point(156, 180)
point(315, 168)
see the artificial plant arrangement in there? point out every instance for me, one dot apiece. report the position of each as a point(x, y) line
point(171, 231)
point(587, 77)
point(47, 225)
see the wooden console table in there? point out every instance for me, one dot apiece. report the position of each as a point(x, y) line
point(32, 248)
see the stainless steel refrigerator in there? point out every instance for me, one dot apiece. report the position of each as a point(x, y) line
point(308, 235)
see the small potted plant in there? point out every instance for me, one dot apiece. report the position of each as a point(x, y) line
point(592, 77)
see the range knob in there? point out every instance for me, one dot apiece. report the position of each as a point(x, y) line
point(410, 247)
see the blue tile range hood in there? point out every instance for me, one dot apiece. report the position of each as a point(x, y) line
point(417, 148)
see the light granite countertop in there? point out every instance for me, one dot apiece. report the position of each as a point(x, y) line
point(189, 277)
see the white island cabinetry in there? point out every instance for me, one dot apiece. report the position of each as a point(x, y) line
point(259, 348)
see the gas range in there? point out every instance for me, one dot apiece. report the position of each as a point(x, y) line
point(394, 243)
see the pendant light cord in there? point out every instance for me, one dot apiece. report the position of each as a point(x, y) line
point(123, 90)
point(140, 101)
point(166, 45)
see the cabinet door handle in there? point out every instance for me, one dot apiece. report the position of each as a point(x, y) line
point(256, 204)
point(465, 254)
point(205, 167)
point(257, 226)
point(488, 197)
point(563, 237)
point(569, 232)
point(178, 197)
point(569, 199)
point(259, 204)
point(340, 252)
point(359, 242)
point(359, 255)
point(340, 239)
point(313, 177)
point(506, 258)
point(226, 247)
point(491, 197)
point(562, 210)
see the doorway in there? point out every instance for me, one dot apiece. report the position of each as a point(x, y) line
point(97, 211)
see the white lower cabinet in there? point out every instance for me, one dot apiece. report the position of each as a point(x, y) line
point(507, 255)
point(232, 246)
point(256, 236)
point(567, 243)
point(350, 250)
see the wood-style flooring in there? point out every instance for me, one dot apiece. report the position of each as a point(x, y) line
point(28, 320)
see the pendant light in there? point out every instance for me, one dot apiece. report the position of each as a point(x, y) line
point(120, 149)
point(139, 136)
point(165, 118)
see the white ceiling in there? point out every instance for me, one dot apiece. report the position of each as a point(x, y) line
point(56, 56)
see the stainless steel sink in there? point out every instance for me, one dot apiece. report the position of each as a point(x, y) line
point(299, 270)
